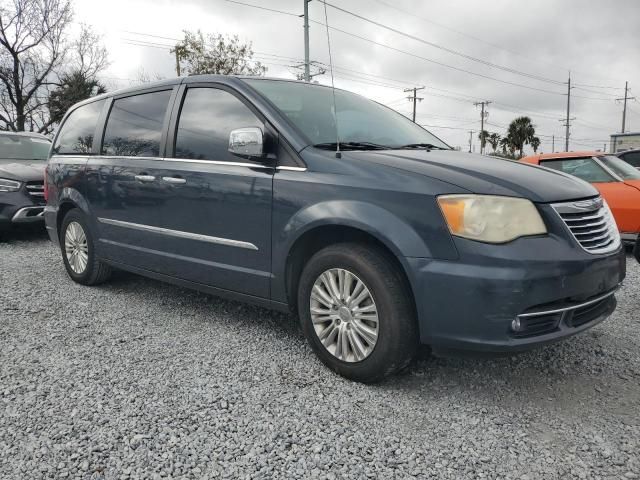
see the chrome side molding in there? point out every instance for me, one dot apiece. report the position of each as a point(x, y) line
point(179, 234)
point(182, 160)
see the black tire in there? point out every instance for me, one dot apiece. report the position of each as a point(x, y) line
point(397, 339)
point(636, 249)
point(95, 272)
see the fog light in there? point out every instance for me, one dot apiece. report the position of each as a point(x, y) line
point(515, 325)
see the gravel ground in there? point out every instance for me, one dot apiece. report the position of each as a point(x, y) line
point(138, 379)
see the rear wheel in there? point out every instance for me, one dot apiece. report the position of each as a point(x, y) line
point(356, 312)
point(78, 251)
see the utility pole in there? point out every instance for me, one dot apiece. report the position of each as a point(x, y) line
point(307, 74)
point(624, 108)
point(470, 139)
point(567, 121)
point(414, 98)
point(177, 62)
point(567, 124)
point(553, 144)
point(482, 117)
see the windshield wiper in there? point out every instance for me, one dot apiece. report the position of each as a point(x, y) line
point(352, 146)
point(428, 146)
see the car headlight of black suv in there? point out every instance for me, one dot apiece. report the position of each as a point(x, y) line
point(7, 185)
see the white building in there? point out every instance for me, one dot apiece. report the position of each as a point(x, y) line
point(624, 141)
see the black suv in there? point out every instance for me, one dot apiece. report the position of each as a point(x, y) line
point(234, 186)
point(23, 157)
point(632, 157)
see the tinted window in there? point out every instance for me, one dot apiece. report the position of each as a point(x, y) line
point(22, 147)
point(207, 117)
point(632, 159)
point(620, 168)
point(310, 108)
point(76, 135)
point(135, 124)
point(585, 168)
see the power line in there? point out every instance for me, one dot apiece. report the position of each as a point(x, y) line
point(501, 47)
point(446, 49)
point(389, 47)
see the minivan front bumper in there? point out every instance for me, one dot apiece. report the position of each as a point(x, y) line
point(501, 298)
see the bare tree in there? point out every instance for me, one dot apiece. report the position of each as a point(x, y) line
point(33, 45)
point(89, 56)
point(197, 54)
point(35, 55)
point(142, 76)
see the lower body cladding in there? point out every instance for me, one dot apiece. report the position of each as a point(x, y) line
point(512, 297)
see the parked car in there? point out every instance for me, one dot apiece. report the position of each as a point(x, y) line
point(23, 157)
point(617, 182)
point(636, 250)
point(233, 186)
point(632, 157)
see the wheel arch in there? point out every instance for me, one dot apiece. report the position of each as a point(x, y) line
point(69, 199)
point(320, 236)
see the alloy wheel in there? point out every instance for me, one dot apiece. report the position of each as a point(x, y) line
point(344, 315)
point(76, 247)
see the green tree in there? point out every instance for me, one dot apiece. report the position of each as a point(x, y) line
point(494, 140)
point(507, 146)
point(73, 88)
point(535, 144)
point(215, 54)
point(521, 131)
point(483, 136)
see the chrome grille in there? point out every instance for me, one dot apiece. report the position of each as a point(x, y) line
point(35, 189)
point(591, 224)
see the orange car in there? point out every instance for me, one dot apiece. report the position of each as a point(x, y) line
point(617, 181)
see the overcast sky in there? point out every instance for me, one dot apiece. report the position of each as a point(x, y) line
point(598, 41)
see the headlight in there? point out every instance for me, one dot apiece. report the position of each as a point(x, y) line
point(9, 185)
point(489, 218)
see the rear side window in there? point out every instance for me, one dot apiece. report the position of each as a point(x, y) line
point(585, 168)
point(632, 159)
point(135, 125)
point(207, 117)
point(77, 131)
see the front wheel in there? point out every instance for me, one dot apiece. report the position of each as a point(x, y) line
point(78, 250)
point(356, 312)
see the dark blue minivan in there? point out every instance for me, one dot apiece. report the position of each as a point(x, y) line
point(234, 186)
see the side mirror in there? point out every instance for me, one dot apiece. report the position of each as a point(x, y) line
point(247, 142)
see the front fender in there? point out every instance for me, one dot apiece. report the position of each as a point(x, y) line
point(392, 231)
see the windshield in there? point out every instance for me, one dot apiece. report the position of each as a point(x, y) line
point(361, 121)
point(22, 147)
point(620, 167)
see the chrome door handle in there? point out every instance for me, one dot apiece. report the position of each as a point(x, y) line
point(145, 178)
point(174, 180)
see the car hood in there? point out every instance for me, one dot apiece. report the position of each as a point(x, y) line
point(484, 174)
point(633, 183)
point(22, 170)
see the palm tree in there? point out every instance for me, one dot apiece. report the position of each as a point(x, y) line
point(535, 143)
point(505, 143)
point(482, 136)
point(494, 140)
point(521, 131)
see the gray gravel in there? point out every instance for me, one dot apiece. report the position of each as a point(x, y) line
point(138, 379)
